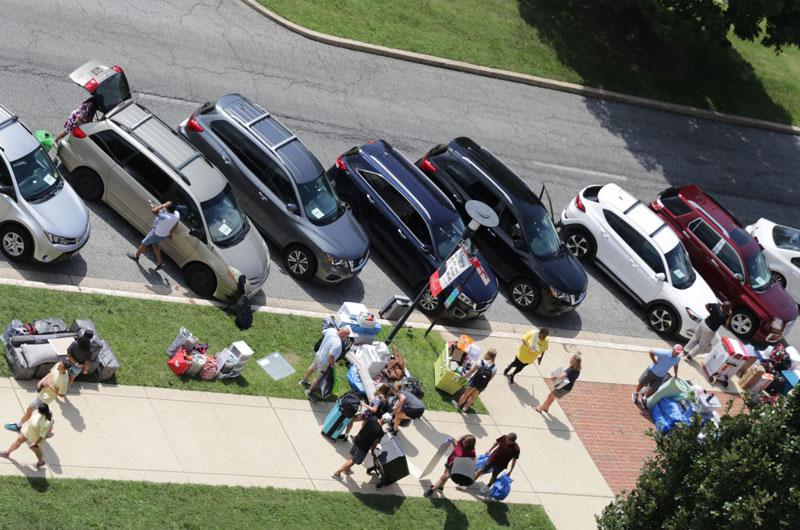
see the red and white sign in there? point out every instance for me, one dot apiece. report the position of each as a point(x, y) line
point(454, 266)
point(476, 263)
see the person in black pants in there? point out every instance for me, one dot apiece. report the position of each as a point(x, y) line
point(366, 439)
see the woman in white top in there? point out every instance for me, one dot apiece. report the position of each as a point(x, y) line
point(53, 385)
point(33, 432)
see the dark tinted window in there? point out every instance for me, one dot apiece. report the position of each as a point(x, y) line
point(469, 182)
point(5, 174)
point(705, 233)
point(731, 260)
point(149, 175)
point(112, 92)
point(376, 182)
point(241, 146)
point(739, 236)
point(278, 181)
point(399, 205)
point(637, 242)
point(796, 262)
point(113, 145)
point(187, 208)
point(786, 238)
point(675, 205)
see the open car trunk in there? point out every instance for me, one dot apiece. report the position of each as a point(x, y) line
point(107, 84)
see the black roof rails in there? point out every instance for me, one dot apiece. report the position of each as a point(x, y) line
point(6, 117)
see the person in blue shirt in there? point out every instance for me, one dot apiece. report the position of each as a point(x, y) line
point(656, 373)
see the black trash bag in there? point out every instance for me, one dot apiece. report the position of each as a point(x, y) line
point(324, 387)
point(242, 309)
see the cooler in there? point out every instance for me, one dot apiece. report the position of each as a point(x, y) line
point(364, 324)
point(725, 359)
point(447, 380)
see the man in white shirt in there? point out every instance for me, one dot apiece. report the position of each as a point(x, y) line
point(329, 351)
point(167, 217)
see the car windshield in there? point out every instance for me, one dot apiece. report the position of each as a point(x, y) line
point(320, 202)
point(680, 267)
point(36, 175)
point(786, 238)
point(542, 237)
point(758, 272)
point(447, 236)
point(225, 219)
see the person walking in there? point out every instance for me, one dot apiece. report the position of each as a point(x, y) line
point(83, 114)
point(479, 376)
point(164, 224)
point(464, 447)
point(564, 383)
point(504, 451)
point(528, 352)
point(364, 442)
point(652, 377)
point(33, 431)
point(700, 343)
point(52, 385)
point(330, 348)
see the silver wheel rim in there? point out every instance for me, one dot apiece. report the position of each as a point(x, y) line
point(298, 262)
point(777, 277)
point(661, 320)
point(13, 244)
point(578, 245)
point(741, 324)
point(523, 294)
point(428, 302)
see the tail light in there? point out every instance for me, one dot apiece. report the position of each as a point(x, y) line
point(579, 203)
point(427, 165)
point(91, 85)
point(117, 68)
point(340, 164)
point(656, 205)
point(77, 132)
point(194, 125)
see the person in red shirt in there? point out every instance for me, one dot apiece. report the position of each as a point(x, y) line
point(504, 451)
point(464, 447)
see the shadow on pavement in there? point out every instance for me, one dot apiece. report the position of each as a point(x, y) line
point(72, 414)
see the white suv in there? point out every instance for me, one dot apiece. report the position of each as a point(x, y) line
point(641, 253)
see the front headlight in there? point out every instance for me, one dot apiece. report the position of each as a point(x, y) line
point(559, 295)
point(336, 262)
point(692, 315)
point(234, 273)
point(465, 299)
point(58, 240)
point(777, 324)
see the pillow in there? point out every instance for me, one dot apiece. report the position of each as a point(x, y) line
point(36, 354)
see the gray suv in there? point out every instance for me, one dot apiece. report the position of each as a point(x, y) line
point(282, 186)
point(41, 217)
point(133, 161)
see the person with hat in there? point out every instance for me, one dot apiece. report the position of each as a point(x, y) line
point(367, 438)
point(655, 374)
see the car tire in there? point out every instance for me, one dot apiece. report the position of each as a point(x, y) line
point(350, 204)
point(743, 323)
point(428, 304)
point(663, 319)
point(300, 262)
point(200, 279)
point(16, 243)
point(87, 184)
point(779, 278)
point(525, 294)
point(580, 242)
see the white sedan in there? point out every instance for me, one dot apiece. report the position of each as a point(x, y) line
point(781, 246)
point(641, 253)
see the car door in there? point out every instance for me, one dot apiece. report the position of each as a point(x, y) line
point(703, 254)
point(234, 156)
point(278, 196)
point(190, 232)
point(6, 199)
point(615, 252)
point(152, 184)
point(497, 244)
point(645, 263)
point(121, 186)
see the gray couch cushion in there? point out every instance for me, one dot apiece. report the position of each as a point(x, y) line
point(36, 354)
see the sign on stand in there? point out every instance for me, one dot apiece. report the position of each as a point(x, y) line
point(453, 267)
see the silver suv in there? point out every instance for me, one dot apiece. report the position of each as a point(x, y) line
point(41, 216)
point(133, 161)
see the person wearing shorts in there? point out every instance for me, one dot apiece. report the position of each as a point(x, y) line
point(53, 385)
point(33, 432)
point(568, 376)
point(79, 354)
point(504, 451)
point(655, 374)
point(166, 220)
point(364, 442)
point(329, 351)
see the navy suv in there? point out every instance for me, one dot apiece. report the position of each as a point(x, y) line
point(524, 250)
point(412, 223)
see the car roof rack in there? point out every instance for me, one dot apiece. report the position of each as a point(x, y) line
point(6, 117)
point(249, 115)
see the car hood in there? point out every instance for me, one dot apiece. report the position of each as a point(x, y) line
point(563, 272)
point(250, 256)
point(343, 238)
point(63, 214)
point(775, 301)
point(696, 297)
point(474, 287)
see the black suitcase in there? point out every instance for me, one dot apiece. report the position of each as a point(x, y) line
point(390, 464)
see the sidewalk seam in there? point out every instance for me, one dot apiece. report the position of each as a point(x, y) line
point(515, 77)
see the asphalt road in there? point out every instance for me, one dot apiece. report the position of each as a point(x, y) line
point(178, 54)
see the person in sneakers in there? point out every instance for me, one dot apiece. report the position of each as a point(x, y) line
point(464, 447)
point(378, 404)
point(528, 352)
point(565, 382)
point(164, 224)
point(53, 385)
point(655, 374)
point(364, 442)
point(700, 343)
point(330, 348)
point(33, 431)
point(504, 451)
point(479, 376)
point(406, 405)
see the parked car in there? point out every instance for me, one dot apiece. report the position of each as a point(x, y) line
point(641, 253)
point(524, 249)
point(781, 247)
point(41, 216)
point(133, 161)
point(282, 187)
point(411, 222)
point(731, 262)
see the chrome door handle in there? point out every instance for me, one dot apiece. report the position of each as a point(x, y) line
point(262, 196)
point(370, 199)
point(226, 160)
point(402, 235)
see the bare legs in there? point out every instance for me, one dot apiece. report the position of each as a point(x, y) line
point(467, 398)
point(544, 407)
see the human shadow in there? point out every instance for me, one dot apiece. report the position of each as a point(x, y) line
point(387, 504)
point(454, 517)
point(37, 478)
point(498, 511)
point(557, 427)
point(71, 413)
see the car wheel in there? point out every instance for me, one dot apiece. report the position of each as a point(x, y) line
point(87, 184)
point(743, 323)
point(300, 262)
point(428, 304)
point(663, 319)
point(16, 243)
point(580, 242)
point(525, 294)
point(777, 277)
point(350, 205)
point(200, 279)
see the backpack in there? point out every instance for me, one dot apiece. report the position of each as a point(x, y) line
point(414, 385)
point(349, 403)
point(482, 376)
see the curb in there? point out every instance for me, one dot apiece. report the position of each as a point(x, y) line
point(514, 77)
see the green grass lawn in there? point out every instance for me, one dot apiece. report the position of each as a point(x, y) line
point(139, 332)
point(584, 44)
point(69, 503)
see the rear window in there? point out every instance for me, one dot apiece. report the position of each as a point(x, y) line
point(675, 205)
point(112, 92)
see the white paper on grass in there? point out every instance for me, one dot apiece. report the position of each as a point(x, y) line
point(276, 366)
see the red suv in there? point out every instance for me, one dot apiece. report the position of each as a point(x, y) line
point(730, 260)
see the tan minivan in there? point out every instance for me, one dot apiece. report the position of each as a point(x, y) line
point(133, 161)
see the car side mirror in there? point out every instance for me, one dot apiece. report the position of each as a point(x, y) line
point(738, 276)
point(292, 207)
point(7, 190)
point(197, 232)
point(660, 276)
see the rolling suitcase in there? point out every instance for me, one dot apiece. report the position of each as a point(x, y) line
point(391, 463)
point(335, 422)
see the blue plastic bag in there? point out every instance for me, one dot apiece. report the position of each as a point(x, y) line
point(480, 462)
point(501, 487)
point(662, 425)
point(355, 380)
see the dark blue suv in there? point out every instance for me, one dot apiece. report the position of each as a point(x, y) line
point(411, 222)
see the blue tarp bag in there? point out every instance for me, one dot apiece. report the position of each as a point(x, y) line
point(661, 422)
point(355, 380)
point(501, 487)
point(480, 462)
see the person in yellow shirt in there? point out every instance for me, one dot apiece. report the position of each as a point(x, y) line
point(33, 431)
point(528, 352)
point(55, 383)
